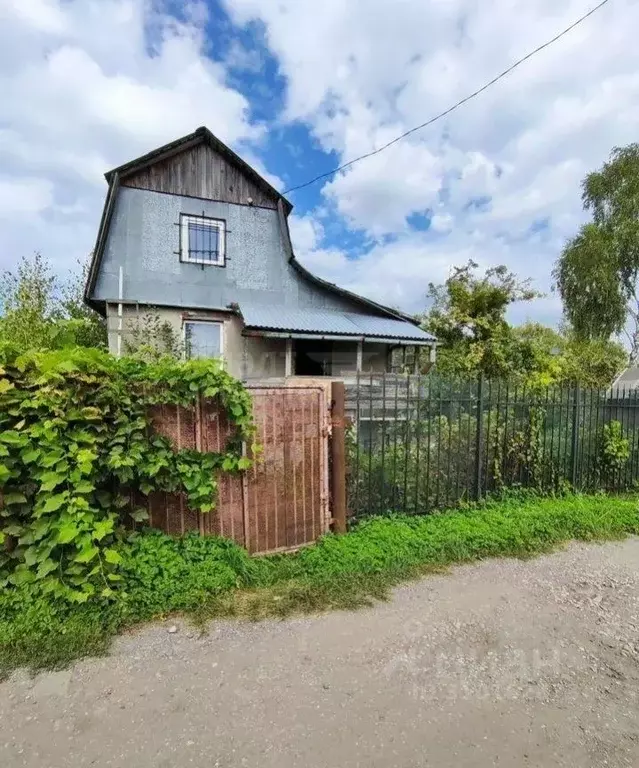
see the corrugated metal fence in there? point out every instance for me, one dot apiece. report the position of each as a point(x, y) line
point(420, 443)
point(283, 501)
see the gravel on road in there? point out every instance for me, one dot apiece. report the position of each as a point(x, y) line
point(503, 663)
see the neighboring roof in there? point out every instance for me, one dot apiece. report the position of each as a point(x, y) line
point(200, 136)
point(330, 323)
point(626, 384)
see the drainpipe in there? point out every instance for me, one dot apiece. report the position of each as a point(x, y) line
point(120, 297)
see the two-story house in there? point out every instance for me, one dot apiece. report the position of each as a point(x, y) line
point(193, 232)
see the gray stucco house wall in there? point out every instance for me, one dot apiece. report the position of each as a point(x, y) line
point(144, 239)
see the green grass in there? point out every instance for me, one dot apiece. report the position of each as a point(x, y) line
point(211, 577)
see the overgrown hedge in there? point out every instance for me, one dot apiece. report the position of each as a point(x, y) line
point(75, 438)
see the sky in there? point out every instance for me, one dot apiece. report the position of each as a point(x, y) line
point(297, 87)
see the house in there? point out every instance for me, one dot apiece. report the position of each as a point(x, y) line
point(622, 400)
point(193, 233)
point(626, 385)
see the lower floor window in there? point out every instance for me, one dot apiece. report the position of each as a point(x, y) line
point(203, 339)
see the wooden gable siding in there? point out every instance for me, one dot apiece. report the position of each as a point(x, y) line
point(200, 172)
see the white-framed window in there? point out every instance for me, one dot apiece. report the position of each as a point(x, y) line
point(202, 240)
point(203, 338)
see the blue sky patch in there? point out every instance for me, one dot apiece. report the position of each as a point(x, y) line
point(419, 221)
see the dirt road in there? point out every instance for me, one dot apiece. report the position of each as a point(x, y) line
point(505, 663)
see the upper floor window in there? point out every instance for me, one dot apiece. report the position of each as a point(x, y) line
point(202, 240)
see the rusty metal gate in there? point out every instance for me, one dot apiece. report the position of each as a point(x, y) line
point(282, 502)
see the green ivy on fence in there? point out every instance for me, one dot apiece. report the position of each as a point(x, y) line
point(75, 438)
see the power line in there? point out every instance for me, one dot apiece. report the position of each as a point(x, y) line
point(450, 109)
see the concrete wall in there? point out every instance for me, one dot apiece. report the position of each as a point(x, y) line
point(135, 321)
point(144, 239)
point(375, 357)
point(264, 358)
point(344, 357)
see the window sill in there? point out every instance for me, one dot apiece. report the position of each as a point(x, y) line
point(204, 262)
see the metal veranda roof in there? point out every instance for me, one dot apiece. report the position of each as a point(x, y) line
point(330, 323)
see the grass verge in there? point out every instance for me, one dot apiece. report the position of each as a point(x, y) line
point(207, 578)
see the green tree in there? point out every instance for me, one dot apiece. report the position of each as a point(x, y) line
point(468, 317)
point(26, 304)
point(598, 270)
point(539, 350)
point(39, 311)
point(547, 356)
point(90, 327)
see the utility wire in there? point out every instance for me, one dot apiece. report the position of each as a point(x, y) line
point(450, 109)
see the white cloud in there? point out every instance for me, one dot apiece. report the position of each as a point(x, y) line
point(364, 198)
point(442, 222)
point(44, 15)
point(398, 273)
point(89, 84)
point(20, 197)
point(500, 176)
point(245, 59)
point(306, 233)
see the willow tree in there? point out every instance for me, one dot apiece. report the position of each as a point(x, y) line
point(598, 271)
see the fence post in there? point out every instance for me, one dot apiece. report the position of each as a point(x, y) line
point(338, 456)
point(479, 440)
point(575, 435)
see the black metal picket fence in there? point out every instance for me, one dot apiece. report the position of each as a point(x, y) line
point(419, 443)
